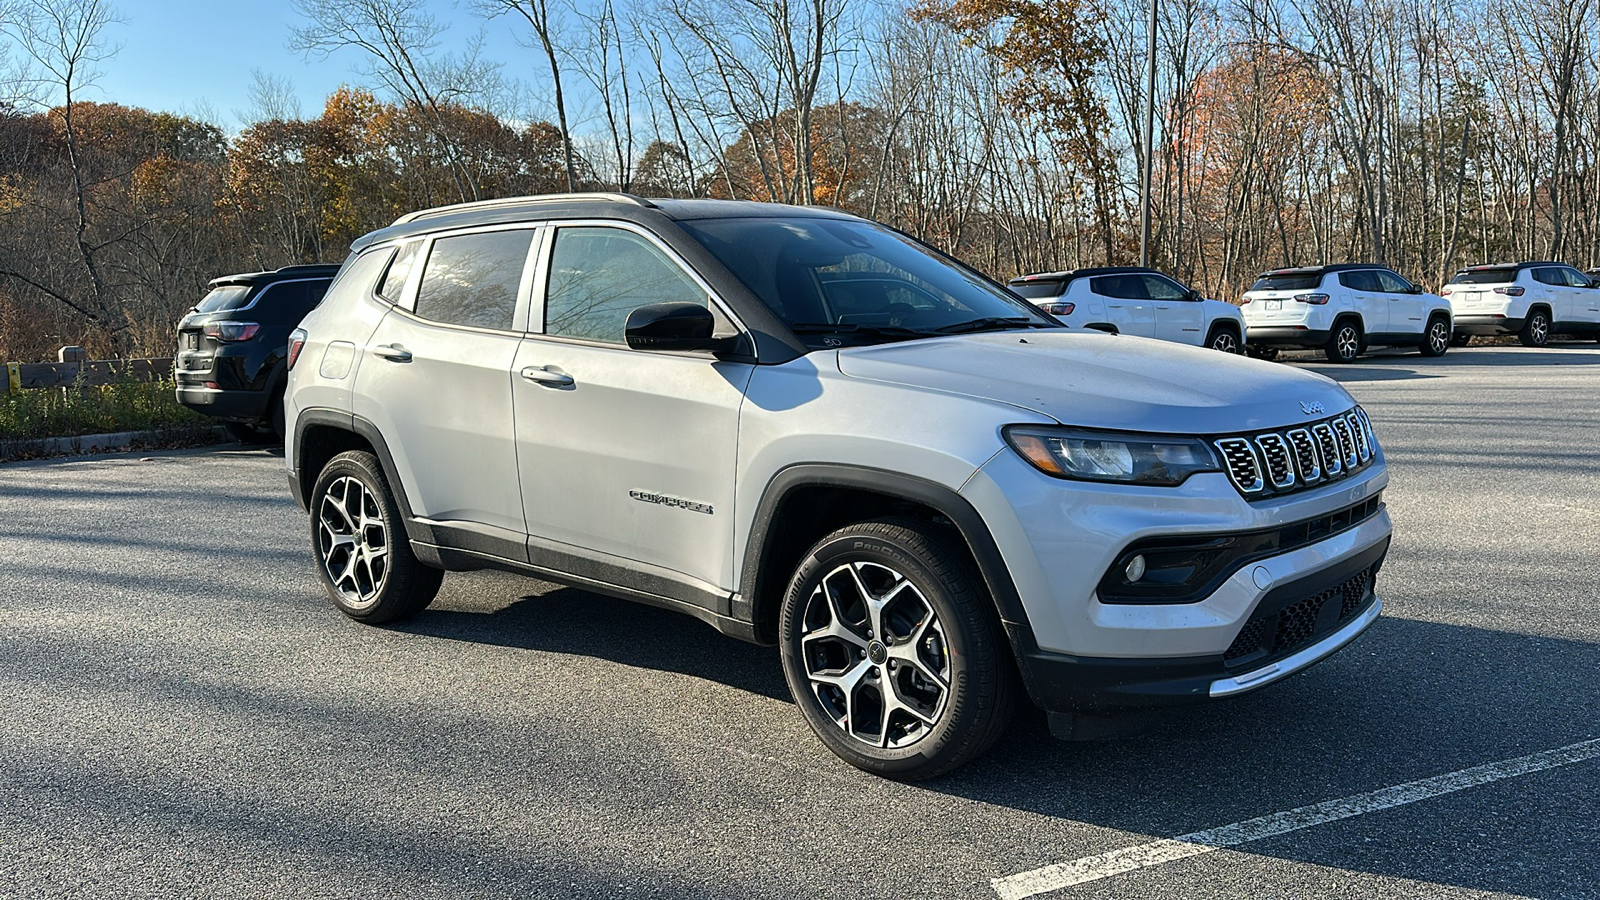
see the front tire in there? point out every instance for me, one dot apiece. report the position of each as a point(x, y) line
point(1223, 339)
point(1344, 345)
point(1460, 339)
point(1535, 330)
point(1436, 342)
point(359, 541)
point(892, 650)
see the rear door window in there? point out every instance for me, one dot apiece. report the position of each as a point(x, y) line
point(1120, 287)
point(474, 279)
point(1549, 275)
point(289, 300)
point(1364, 280)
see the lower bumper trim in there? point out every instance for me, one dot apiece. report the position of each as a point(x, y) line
point(1249, 681)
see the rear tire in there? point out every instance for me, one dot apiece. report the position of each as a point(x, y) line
point(1436, 340)
point(1460, 340)
point(1535, 330)
point(893, 652)
point(1344, 344)
point(358, 539)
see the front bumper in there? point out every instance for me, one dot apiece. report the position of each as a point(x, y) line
point(1071, 684)
point(1078, 654)
point(1285, 336)
point(1487, 324)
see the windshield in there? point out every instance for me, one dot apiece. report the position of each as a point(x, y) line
point(838, 281)
point(1289, 282)
point(1499, 275)
point(221, 299)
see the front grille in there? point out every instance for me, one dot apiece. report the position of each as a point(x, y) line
point(1280, 462)
point(1274, 634)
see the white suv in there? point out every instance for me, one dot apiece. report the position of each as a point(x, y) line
point(807, 429)
point(1133, 300)
point(1342, 310)
point(1531, 300)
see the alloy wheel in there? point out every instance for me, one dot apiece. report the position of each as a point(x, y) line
point(1225, 342)
point(1539, 328)
point(875, 655)
point(1349, 343)
point(1439, 337)
point(353, 540)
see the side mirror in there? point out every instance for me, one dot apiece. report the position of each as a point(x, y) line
point(1415, 289)
point(1194, 294)
point(673, 327)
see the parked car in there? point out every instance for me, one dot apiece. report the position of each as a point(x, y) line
point(231, 347)
point(1531, 300)
point(1135, 300)
point(917, 485)
point(1342, 310)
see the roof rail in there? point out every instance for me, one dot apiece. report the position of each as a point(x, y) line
point(611, 197)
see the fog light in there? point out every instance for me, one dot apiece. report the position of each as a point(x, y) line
point(1135, 569)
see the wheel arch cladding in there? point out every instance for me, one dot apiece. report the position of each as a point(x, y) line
point(322, 434)
point(805, 502)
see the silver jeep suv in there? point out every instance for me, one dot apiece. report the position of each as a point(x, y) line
point(805, 428)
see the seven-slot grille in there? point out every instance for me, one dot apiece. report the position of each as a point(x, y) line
point(1278, 462)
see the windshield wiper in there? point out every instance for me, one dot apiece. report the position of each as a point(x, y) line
point(992, 323)
point(894, 331)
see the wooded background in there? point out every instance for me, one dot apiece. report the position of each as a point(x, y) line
point(1420, 134)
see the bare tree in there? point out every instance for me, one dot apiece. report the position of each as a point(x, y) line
point(62, 38)
point(400, 39)
point(545, 25)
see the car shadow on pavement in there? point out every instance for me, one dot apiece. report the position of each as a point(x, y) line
point(568, 620)
point(1410, 700)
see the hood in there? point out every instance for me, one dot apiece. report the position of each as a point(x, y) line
point(1096, 380)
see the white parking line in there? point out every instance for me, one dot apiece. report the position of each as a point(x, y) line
point(1127, 859)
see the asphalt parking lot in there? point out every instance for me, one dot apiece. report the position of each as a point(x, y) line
point(183, 714)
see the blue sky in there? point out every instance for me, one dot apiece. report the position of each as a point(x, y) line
point(176, 55)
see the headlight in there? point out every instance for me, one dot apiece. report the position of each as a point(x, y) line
point(1110, 456)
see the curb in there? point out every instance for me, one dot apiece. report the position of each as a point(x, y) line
point(116, 440)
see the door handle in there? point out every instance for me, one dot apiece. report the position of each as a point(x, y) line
point(542, 375)
point(392, 352)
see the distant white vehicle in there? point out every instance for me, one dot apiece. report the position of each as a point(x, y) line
point(1531, 300)
point(1137, 301)
point(1342, 310)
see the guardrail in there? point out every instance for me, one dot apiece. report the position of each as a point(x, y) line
point(75, 371)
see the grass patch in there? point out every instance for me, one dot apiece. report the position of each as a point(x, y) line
point(68, 412)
